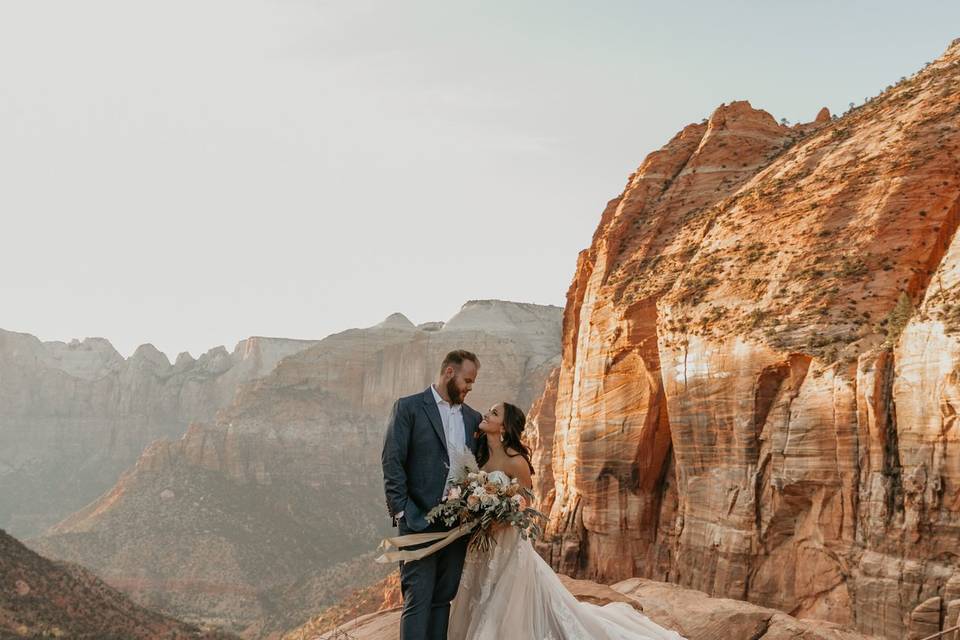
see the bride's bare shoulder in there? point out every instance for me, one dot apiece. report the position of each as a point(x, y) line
point(514, 458)
point(517, 467)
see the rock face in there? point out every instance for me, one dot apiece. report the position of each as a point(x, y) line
point(74, 415)
point(44, 599)
point(254, 520)
point(761, 355)
point(693, 614)
point(379, 596)
point(696, 616)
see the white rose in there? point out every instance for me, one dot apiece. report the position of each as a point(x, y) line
point(454, 493)
point(499, 477)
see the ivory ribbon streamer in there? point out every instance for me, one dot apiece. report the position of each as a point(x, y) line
point(442, 538)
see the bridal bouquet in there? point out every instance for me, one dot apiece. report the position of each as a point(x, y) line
point(480, 499)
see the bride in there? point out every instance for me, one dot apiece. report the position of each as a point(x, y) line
point(510, 592)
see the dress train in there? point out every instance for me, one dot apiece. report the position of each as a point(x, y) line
point(511, 593)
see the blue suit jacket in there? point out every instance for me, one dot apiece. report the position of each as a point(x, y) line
point(415, 460)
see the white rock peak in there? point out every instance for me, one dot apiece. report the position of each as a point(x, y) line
point(396, 321)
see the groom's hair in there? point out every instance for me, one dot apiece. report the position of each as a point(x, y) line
point(456, 358)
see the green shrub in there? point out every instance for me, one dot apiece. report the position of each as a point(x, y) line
point(896, 321)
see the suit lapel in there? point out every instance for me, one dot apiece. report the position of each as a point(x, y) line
point(430, 406)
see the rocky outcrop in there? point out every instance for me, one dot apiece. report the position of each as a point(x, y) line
point(243, 521)
point(697, 616)
point(693, 614)
point(760, 360)
point(379, 596)
point(44, 599)
point(74, 415)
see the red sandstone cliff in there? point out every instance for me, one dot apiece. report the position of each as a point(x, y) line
point(761, 355)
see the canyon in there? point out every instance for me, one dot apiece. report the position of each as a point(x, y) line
point(257, 519)
point(744, 419)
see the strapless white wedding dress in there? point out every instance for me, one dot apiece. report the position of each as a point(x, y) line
point(511, 593)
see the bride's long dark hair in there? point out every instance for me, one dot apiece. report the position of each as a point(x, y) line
point(514, 422)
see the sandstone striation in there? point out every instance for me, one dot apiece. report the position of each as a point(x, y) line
point(761, 355)
point(74, 415)
point(254, 521)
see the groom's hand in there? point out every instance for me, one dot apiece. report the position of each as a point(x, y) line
point(396, 517)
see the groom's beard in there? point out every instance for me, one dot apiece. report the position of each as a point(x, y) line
point(453, 392)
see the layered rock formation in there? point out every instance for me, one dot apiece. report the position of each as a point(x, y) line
point(761, 350)
point(44, 599)
point(74, 415)
point(242, 522)
point(693, 614)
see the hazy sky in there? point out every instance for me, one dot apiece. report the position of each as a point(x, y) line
point(189, 173)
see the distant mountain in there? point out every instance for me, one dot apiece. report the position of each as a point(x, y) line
point(44, 599)
point(74, 415)
point(244, 521)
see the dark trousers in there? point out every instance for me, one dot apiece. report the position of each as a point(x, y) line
point(428, 585)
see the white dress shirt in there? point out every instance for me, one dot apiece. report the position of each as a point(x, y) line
point(453, 428)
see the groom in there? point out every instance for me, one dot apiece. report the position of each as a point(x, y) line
point(425, 433)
